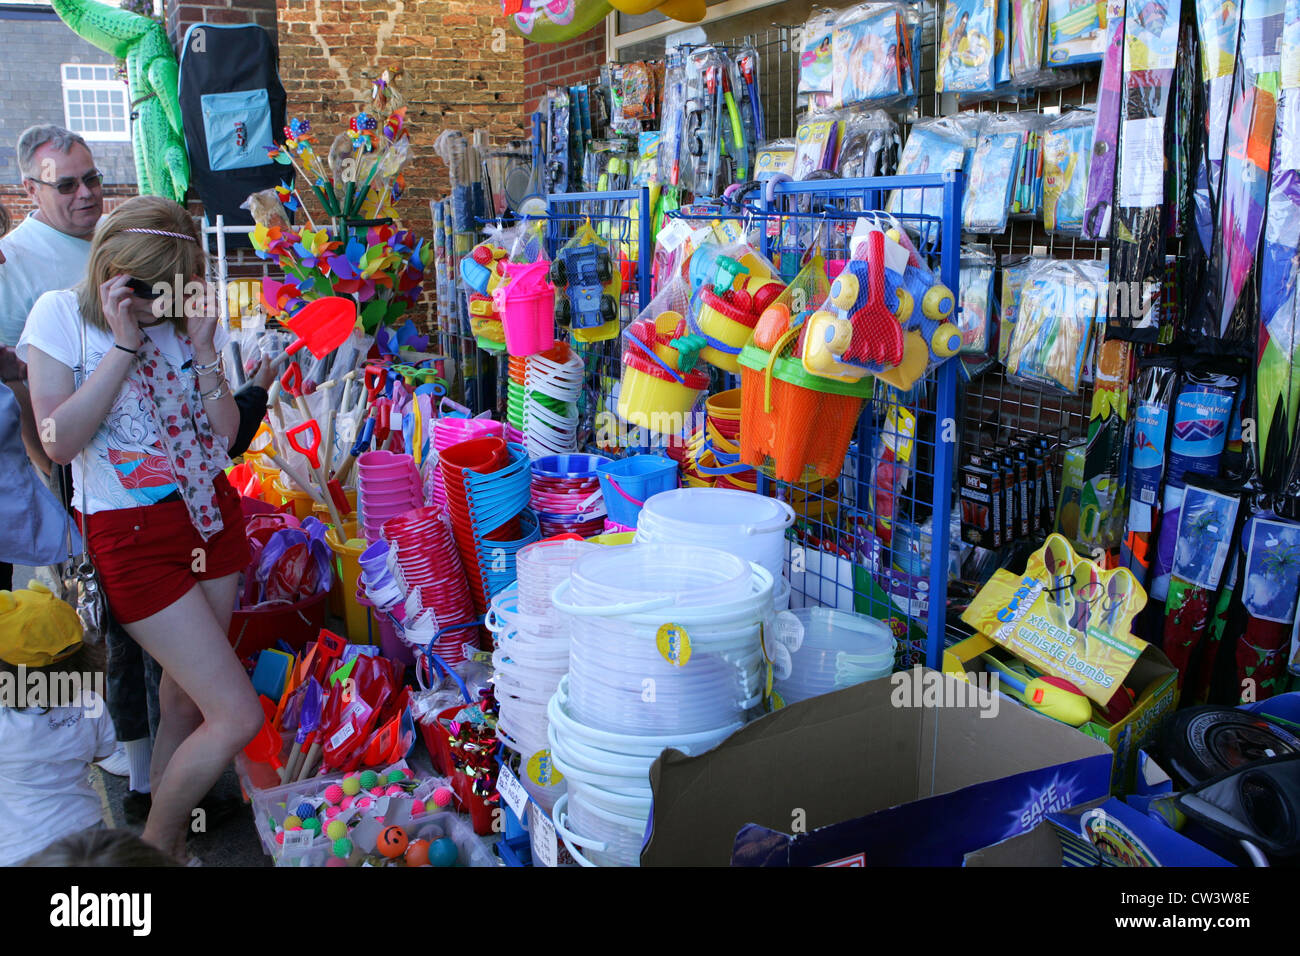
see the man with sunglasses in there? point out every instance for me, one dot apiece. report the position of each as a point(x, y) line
point(50, 248)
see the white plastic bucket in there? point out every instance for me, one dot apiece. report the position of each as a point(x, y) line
point(743, 523)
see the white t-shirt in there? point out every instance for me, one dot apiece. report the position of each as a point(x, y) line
point(45, 758)
point(38, 258)
point(128, 468)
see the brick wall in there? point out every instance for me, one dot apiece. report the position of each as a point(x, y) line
point(182, 14)
point(461, 68)
point(572, 63)
point(16, 201)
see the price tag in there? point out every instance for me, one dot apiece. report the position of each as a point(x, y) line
point(789, 631)
point(344, 734)
point(513, 791)
point(297, 839)
point(541, 770)
point(673, 235)
point(546, 848)
point(674, 644)
point(782, 663)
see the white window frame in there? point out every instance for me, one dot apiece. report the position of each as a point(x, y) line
point(117, 91)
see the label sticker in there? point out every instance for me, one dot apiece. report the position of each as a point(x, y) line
point(545, 844)
point(789, 631)
point(674, 644)
point(513, 791)
point(541, 770)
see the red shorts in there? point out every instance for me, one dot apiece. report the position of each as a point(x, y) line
point(146, 557)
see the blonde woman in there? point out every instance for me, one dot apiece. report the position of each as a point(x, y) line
point(147, 433)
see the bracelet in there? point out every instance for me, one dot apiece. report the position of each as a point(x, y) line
point(218, 392)
point(125, 349)
point(217, 366)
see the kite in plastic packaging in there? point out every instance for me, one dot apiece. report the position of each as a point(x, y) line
point(968, 47)
point(1028, 24)
point(1014, 271)
point(993, 168)
point(933, 146)
point(976, 299)
point(1067, 151)
point(1054, 323)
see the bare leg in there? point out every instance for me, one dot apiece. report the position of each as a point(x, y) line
point(190, 644)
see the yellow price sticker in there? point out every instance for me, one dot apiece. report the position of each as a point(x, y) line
point(674, 644)
point(541, 769)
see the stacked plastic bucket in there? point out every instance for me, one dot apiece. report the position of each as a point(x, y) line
point(627, 482)
point(739, 522)
point(566, 495)
point(552, 387)
point(487, 483)
point(665, 651)
point(831, 650)
point(530, 657)
point(388, 485)
point(453, 431)
point(427, 560)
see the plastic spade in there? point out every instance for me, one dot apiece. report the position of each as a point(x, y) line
point(312, 453)
point(307, 729)
point(322, 325)
point(265, 747)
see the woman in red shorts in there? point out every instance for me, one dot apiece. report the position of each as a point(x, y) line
point(147, 433)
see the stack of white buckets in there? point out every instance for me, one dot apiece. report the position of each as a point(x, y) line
point(530, 657)
point(637, 686)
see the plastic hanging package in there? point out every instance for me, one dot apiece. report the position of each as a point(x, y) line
point(1152, 402)
point(1076, 31)
point(817, 58)
point(1137, 227)
point(1067, 152)
point(1054, 324)
point(870, 145)
point(817, 143)
point(672, 132)
point(994, 167)
point(1027, 191)
point(968, 47)
point(776, 158)
point(1028, 31)
point(1100, 201)
point(934, 146)
point(976, 300)
point(873, 56)
point(1014, 271)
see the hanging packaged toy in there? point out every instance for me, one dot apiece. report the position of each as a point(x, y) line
point(588, 287)
point(817, 144)
point(933, 146)
point(886, 314)
point(1076, 31)
point(869, 147)
point(736, 285)
point(776, 158)
point(1027, 194)
point(816, 61)
point(872, 57)
point(993, 171)
point(1014, 271)
point(968, 47)
point(795, 426)
point(1067, 152)
point(1054, 324)
point(661, 382)
point(976, 300)
point(1028, 27)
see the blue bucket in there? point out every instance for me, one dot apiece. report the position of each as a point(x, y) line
point(626, 483)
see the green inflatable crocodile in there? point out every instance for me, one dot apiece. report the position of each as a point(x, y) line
point(161, 164)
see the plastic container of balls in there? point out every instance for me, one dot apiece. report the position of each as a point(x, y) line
point(433, 839)
point(297, 819)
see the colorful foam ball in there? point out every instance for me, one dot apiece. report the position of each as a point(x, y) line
point(312, 824)
point(333, 812)
point(342, 848)
point(352, 785)
point(368, 779)
point(443, 852)
point(279, 837)
point(395, 776)
point(306, 810)
point(417, 808)
point(442, 797)
point(376, 791)
point(393, 842)
point(336, 861)
point(292, 822)
point(363, 803)
point(408, 773)
point(393, 791)
point(417, 853)
point(336, 830)
point(333, 793)
point(347, 803)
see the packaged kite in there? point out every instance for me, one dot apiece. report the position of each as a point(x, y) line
point(1014, 270)
point(976, 300)
point(968, 47)
point(1058, 309)
point(1067, 151)
point(993, 170)
point(934, 146)
point(1028, 24)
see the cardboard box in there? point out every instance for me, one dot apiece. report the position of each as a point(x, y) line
point(1100, 833)
point(870, 776)
point(1153, 679)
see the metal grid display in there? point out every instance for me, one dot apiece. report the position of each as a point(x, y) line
point(866, 542)
point(622, 219)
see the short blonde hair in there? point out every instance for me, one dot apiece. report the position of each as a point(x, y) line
point(150, 258)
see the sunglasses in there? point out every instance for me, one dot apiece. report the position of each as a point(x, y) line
point(68, 185)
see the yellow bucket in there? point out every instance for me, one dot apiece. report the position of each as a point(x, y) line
point(300, 500)
point(356, 619)
point(657, 404)
point(323, 513)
